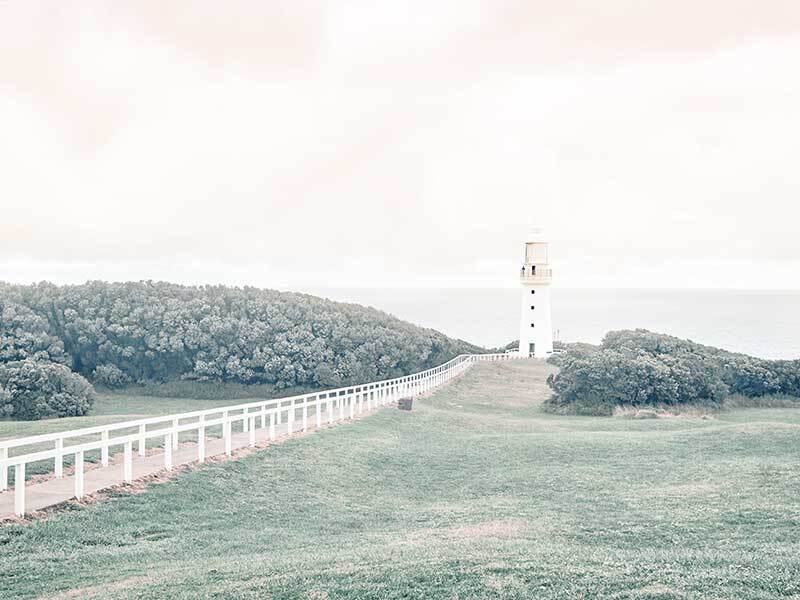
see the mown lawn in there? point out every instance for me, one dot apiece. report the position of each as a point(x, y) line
point(111, 408)
point(474, 494)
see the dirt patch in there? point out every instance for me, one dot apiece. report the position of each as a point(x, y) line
point(689, 489)
point(501, 529)
point(505, 529)
point(663, 412)
point(657, 590)
point(113, 459)
point(101, 590)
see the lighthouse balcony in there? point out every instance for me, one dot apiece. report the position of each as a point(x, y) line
point(535, 275)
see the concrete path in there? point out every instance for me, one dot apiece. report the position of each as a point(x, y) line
point(54, 491)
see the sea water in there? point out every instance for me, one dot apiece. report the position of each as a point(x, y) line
point(760, 323)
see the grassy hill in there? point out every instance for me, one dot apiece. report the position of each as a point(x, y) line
point(477, 493)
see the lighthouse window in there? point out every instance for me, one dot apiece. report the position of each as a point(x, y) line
point(531, 324)
point(533, 291)
point(532, 307)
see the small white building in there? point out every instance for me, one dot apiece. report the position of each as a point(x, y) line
point(535, 327)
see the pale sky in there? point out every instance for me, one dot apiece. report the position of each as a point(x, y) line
point(362, 143)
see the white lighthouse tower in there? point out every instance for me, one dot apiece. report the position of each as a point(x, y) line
point(535, 327)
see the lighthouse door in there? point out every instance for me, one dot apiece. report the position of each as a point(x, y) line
point(531, 349)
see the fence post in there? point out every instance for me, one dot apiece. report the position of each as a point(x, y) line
point(59, 460)
point(252, 430)
point(201, 440)
point(79, 474)
point(175, 434)
point(263, 416)
point(341, 406)
point(142, 439)
point(3, 470)
point(329, 406)
point(272, 425)
point(104, 448)
point(353, 399)
point(19, 490)
point(226, 431)
point(305, 415)
point(168, 451)
point(127, 463)
point(317, 411)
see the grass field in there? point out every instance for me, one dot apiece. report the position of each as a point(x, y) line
point(109, 408)
point(474, 494)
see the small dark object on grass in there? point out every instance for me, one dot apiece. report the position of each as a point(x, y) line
point(405, 403)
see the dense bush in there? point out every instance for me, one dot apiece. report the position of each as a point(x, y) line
point(24, 334)
point(31, 389)
point(158, 332)
point(644, 368)
point(110, 376)
point(743, 374)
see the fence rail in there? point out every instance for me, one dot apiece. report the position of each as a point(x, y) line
point(336, 404)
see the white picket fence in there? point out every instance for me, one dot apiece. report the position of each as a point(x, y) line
point(326, 406)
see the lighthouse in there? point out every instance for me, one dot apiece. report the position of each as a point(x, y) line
point(535, 327)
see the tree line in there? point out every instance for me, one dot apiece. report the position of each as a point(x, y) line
point(118, 334)
point(639, 367)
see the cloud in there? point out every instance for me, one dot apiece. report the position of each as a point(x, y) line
point(379, 143)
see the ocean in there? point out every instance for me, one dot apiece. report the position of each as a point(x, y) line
point(760, 323)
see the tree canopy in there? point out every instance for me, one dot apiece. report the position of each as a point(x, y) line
point(141, 332)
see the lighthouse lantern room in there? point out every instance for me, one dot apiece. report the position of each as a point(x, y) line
point(535, 328)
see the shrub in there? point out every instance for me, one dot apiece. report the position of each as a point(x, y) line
point(31, 390)
point(110, 376)
point(614, 378)
point(743, 374)
point(641, 368)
